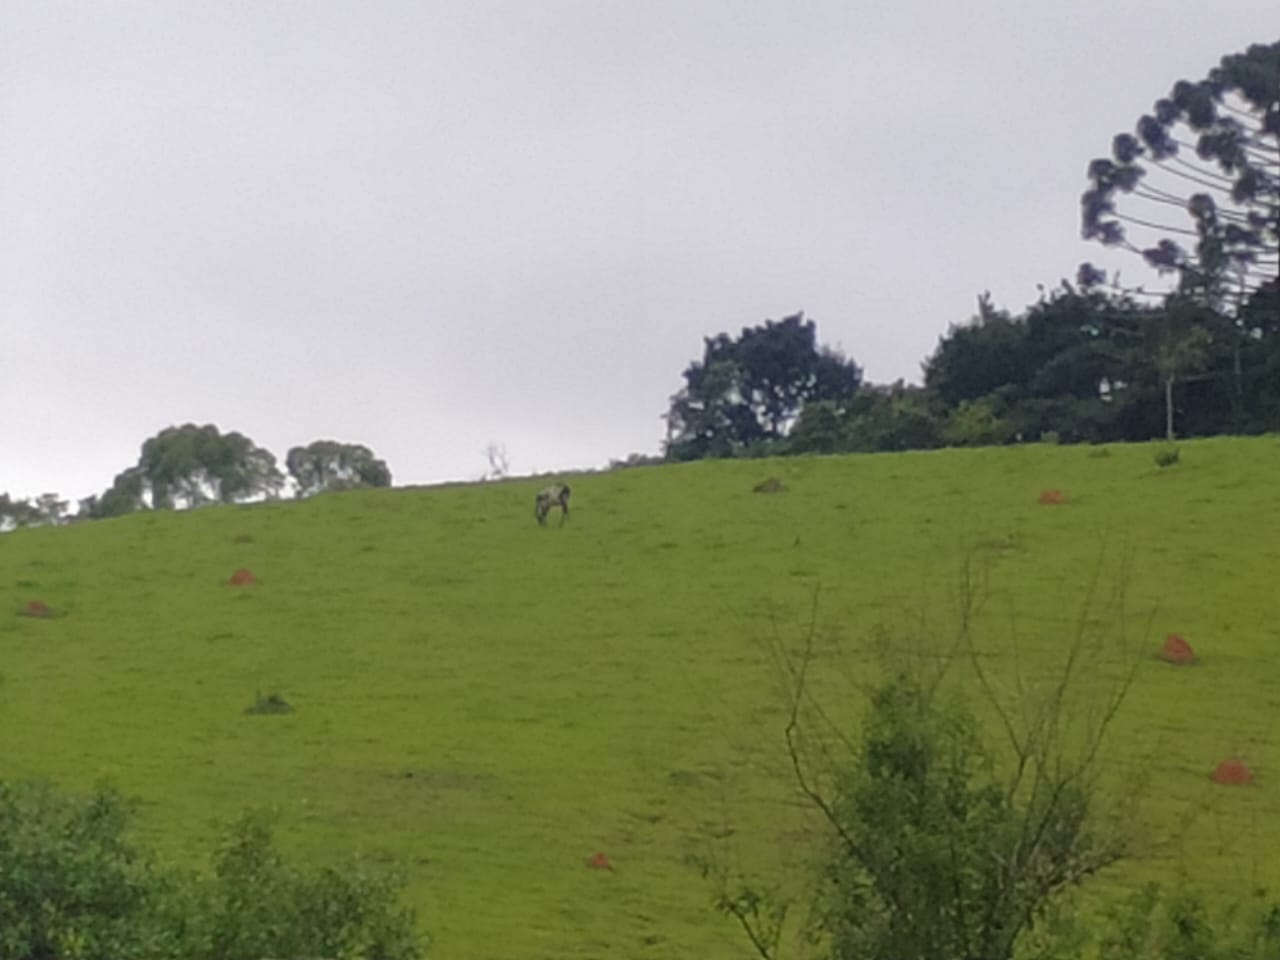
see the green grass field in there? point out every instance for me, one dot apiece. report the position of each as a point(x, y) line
point(484, 703)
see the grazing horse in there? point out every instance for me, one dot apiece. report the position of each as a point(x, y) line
point(556, 495)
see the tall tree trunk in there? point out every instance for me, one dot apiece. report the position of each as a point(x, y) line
point(1168, 409)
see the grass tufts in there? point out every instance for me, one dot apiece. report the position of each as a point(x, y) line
point(272, 703)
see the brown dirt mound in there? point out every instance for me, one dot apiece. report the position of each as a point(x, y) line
point(1232, 773)
point(598, 861)
point(242, 578)
point(772, 485)
point(1050, 498)
point(1177, 651)
point(36, 608)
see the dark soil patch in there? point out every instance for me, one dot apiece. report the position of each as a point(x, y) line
point(772, 485)
point(1052, 498)
point(692, 778)
point(446, 779)
point(35, 608)
point(598, 861)
point(242, 578)
point(1232, 773)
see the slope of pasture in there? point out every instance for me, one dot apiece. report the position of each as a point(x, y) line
point(484, 704)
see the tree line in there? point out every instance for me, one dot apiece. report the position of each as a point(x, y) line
point(1194, 191)
point(191, 466)
point(1079, 366)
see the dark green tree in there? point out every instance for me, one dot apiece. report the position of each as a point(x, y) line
point(975, 359)
point(1196, 191)
point(1259, 320)
point(329, 465)
point(1093, 365)
point(190, 466)
point(750, 390)
point(1102, 365)
point(125, 495)
point(1001, 377)
point(197, 465)
point(879, 418)
point(1177, 344)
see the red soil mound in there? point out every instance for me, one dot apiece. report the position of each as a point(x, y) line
point(598, 861)
point(242, 578)
point(1177, 651)
point(1050, 498)
point(36, 608)
point(1233, 773)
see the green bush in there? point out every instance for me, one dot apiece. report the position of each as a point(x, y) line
point(1151, 925)
point(74, 884)
point(975, 423)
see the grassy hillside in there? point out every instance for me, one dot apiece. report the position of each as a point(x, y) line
point(484, 703)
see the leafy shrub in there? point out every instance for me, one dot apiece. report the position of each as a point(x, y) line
point(1167, 458)
point(975, 423)
point(260, 906)
point(1147, 925)
point(74, 884)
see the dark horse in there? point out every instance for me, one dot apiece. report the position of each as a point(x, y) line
point(556, 495)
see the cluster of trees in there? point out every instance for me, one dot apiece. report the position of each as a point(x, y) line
point(75, 882)
point(749, 391)
point(48, 508)
point(1195, 192)
point(1081, 365)
point(191, 466)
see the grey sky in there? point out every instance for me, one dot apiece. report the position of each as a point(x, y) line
point(425, 226)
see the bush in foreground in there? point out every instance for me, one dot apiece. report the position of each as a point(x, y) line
point(937, 842)
point(74, 883)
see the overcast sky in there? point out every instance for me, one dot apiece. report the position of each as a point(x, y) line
point(427, 226)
